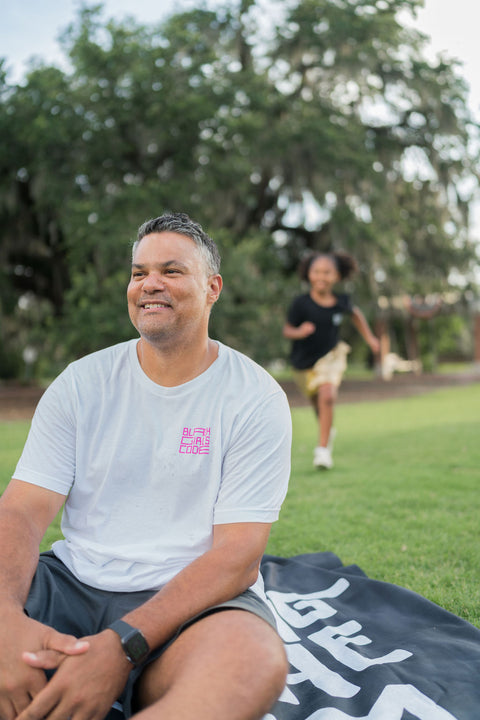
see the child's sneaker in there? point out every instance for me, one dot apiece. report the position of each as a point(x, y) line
point(322, 458)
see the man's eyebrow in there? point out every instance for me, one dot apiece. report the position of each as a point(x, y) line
point(166, 264)
point(177, 263)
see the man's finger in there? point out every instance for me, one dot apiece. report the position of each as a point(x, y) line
point(58, 646)
point(45, 659)
point(7, 710)
point(41, 706)
point(20, 701)
point(67, 644)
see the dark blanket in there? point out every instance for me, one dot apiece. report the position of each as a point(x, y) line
point(360, 648)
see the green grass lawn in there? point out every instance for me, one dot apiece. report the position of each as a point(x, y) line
point(402, 501)
point(12, 437)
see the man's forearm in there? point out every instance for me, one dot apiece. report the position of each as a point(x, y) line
point(19, 558)
point(25, 513)
point(203, 583)
point(218, 575)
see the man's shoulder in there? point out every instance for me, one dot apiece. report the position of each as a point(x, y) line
point(247, 371)
point(106, 358)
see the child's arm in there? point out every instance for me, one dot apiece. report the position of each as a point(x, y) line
point(298, 333)
point(360, 322)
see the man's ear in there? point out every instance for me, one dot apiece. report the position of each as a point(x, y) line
point(215, 284)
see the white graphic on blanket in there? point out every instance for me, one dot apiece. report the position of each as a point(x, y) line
point(391, 704)
point(295, 611)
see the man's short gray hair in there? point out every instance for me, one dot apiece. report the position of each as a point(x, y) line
point(182, 224)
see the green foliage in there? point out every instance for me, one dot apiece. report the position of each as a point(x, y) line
point(10, 364)
point(331, 130)
point(444, 337)
point(452, 338)
point(251, 310)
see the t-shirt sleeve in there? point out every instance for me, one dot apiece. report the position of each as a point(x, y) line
point(345, 302)
point(296, 313)
point(48, 457)
point(256, 467)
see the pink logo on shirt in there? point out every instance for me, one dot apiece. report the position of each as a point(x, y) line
point(195, 441)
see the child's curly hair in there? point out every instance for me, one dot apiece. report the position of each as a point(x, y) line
point(344, 262)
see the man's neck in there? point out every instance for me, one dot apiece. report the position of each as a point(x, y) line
point(175, 366)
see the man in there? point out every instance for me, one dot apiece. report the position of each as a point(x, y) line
point(171, 454)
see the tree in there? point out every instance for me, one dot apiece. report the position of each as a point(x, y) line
point(331, 130)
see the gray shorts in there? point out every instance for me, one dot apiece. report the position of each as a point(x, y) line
point(61, 601)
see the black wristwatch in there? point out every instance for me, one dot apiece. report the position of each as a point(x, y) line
point(134, 644)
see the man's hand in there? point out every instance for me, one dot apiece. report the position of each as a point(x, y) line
point(52, 658)
point(21, 682)
point(84, 686)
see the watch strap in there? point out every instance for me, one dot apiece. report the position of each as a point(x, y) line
point(133, 642)
point(121, 627)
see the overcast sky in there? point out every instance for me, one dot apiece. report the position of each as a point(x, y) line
point(453, 27)
point(31, 27)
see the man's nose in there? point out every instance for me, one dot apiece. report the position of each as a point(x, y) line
point(153, 282)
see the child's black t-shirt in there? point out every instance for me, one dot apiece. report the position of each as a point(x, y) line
point(327, 320)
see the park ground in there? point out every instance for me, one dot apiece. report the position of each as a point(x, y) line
point(17, 402)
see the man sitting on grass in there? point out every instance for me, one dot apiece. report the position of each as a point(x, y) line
point(171, 453)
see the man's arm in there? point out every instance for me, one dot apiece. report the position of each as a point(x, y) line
point(226, 570)
point(87, 685)
point(25, 513)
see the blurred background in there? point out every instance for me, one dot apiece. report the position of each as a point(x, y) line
point(281, 126)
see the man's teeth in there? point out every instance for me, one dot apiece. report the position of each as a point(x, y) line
point(153, 306)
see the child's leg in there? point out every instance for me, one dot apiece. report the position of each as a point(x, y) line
point(327, 394)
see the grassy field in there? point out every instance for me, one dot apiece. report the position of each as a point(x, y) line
point(402, 501)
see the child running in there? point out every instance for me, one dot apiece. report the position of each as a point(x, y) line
point(318, 357)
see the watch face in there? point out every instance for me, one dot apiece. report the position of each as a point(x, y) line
point(135, 646)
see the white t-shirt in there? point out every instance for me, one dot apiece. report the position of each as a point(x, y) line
point(148, 469)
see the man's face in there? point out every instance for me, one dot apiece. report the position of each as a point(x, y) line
point(170, 293)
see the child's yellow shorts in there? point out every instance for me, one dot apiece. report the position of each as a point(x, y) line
point(328, 369)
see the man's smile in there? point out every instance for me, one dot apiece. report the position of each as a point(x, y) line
point(154, 305)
